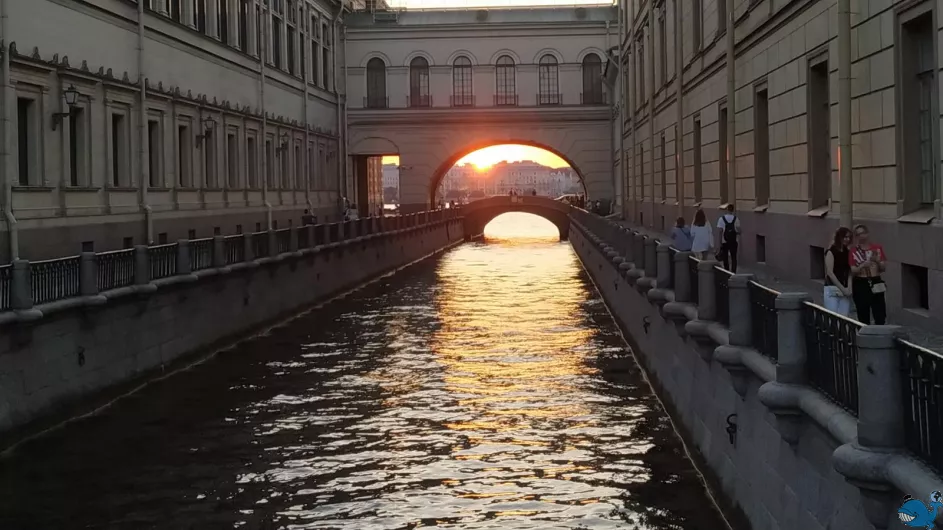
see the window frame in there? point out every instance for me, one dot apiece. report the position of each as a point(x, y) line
point(419, 82)
point(376, 78)
point(548, 80)
point(505, 79)
point(463, 82)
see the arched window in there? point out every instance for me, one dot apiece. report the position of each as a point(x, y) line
point(592, 80)
point(549, 85)
point(376, 84)
point(462, 83)
point(506, 89)
point(419, 83)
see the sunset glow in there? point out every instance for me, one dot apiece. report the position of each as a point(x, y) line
point(490, 156)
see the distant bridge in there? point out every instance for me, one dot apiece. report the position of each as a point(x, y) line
point(479, 213)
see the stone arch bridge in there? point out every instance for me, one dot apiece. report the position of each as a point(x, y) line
point(479, 213)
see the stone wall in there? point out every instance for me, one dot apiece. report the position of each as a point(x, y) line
point(47, 364)
point(784, 465)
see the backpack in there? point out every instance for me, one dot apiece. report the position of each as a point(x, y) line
point(730, 230)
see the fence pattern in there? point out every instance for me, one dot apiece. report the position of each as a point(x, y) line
point(765, 332)
point(201, 254)
point(6, 285)
point(692, 272)
point(283, 240)
point(722, 294)
point(235, 248)
point(115, 269)
point(260, 245)
point(163, 260)
point(832, 354)
point(55, 279)
point(922, 373)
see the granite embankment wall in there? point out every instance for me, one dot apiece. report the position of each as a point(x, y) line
point(49, 363)
point(782, 454)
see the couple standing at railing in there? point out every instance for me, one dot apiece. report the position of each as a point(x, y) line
point(699, 237)
point(853, 273)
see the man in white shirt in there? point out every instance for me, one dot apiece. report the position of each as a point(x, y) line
point(729, 225)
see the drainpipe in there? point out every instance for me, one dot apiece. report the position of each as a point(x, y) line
point(731, 108)
point(651, 112)
point(6, 148)
point(263, 141)
point(343, 137)
point(307, 162)
point(679, 120)
point(844, 113)
point(142, 132)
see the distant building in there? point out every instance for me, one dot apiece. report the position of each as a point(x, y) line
point(521, 177)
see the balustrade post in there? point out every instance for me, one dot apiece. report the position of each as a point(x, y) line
point(682, 279)
point(627, 241)
point(88, 274)
point(293, 238)
point(638, 254)
point(219, 252)
point(272, 236)
point(247, 245)
point(740, 312)
point(183, 257)
point(21, 296)
point(706, 295)
point(142, 265)
point(790, 365)
point(664, 279)
point(880, 390)
point(651, 258)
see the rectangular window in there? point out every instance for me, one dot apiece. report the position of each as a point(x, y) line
point(722, 154)
point(325, 58)
point(26, 130)
point(244, 25)
point(173, 9)
point(721, 16)
point(761, 146)
point(277, 43)
point(291, 50)
point(209, 152)
point(232, 161)
point(252, 168)
point(269, 164)
point(820, 140)
point(284, 169)
point(153, 153)
point(119, 150)
point(223, 19)
point(200, 16)
point(184, 157)
point(299, 171)
point(698, 176)
point(312, 174)
point(915, 286)
point(918, 186)
point(642, 73)
point(664, 173)
point(662, 46)
point(78, 147)
point(697, 23)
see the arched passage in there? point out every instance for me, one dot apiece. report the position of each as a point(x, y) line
point(439, 173)
point(478, 214)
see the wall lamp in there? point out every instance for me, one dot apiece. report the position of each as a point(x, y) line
point(208, 125)
point(71, 96)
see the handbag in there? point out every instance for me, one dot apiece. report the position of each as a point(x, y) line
point(878, 287)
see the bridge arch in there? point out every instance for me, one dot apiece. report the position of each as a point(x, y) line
point(439, 173)
point(478, 214)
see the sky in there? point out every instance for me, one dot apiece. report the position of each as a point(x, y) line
point(490, 156)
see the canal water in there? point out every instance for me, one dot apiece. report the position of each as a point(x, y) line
point(487, 388)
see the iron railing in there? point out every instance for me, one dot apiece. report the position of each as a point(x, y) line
point(6, 284)
point(376, 102)
point(832, 354)
point(462, 100)
point(549, 99)
point(505, 100)
point(55, 279)
point(722, 294)
point(922, 373)
point(163, 260)
point(201, 254)
point(235, 248)
point(419, 100)
point(115, 269)
point(692, 274)
point(304, 237)
point(260, 245)
point(283, 240)
point(765, 332)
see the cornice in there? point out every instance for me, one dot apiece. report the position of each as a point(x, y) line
point(505, 116)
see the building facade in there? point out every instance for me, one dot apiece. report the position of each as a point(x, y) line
point(741, 102)
point(523, 177)
point(188, 117)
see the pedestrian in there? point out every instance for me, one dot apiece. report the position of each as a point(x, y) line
point(729, 226)
point(352, 213)
point(702, 236)
point(837, 293)
point(867, 262)
point(681, 236)
point(308, 219)
point(534, 193)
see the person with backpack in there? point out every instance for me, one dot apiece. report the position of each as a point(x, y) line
point(729, 226)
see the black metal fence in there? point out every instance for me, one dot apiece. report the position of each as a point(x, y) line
point(283, 240)
point(722, 294)
point(115, 269)
point(304, 237)
point(922, 372)
point(163, 260)
point(692, 273)
point(201, 254)
point(260, 245)
point(6, 284)
point(765, 332)
point(832, 354)
point(235, 248)
point(55, 279)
